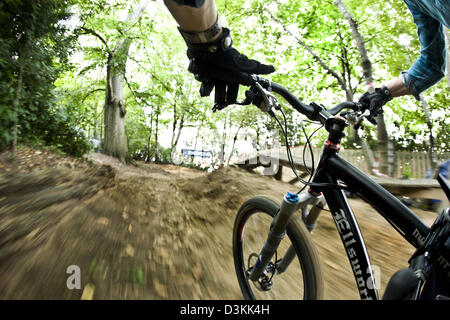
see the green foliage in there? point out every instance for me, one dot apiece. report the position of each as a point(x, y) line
point(62, 134)
point(35, 45)
point(138, 149)
point(63, 90)
point(391, 40)
point(407, 173)
point(165, 155)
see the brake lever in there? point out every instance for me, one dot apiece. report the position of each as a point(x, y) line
point(355, 118)
point(364, 114)
point(269, 101)
point(244, 102)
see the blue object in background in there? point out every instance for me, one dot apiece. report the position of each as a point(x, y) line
point(443, 169)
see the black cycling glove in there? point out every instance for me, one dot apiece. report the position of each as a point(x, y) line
point(218, 65)
point(375, 101)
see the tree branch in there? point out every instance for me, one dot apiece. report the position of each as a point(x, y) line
point(365, 61)
point(94, 33)
point(312, 53)
point(136, 97)
point(91, 92)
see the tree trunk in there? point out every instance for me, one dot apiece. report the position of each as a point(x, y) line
point(366, 64)
point(234, 143)
point(385, 146)
point(431, 155)
point(196, 138)
point(102, 129)
point(96, 122)
point(174, 125)
point(149, 141)
point(180, 127)
point(16, 107)
point(95, 133)
point(224, 139)
point(368, 154)
point(198, 134)
point(447, 37)
point(156, 136)
point(115, 143)
point(176, 136)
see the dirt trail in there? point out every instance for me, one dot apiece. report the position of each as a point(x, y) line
point(149, 231)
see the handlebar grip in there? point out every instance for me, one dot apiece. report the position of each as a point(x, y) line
point(344, 105)
point(301, 107)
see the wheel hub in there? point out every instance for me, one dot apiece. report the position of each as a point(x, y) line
point(264, 283)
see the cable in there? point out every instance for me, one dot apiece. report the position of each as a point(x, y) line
point(291, 161)
point(308, 143)
point(289, 155)
point(311, 173)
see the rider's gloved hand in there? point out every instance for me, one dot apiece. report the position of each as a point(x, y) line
point(218, 65)
point(375, 101)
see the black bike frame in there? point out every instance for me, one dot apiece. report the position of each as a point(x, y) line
point(333, 169)
point(331, 175)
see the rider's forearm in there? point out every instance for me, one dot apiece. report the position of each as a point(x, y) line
point(191, 18)
point(397, 88)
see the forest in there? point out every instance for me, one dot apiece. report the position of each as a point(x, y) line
point(111, 76)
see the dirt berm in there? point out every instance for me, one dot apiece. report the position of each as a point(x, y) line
point(149, 231)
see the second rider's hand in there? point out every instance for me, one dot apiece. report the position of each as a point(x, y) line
point(375, 101)
point(217, 65)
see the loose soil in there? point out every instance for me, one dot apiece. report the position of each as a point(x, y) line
point(149, 231)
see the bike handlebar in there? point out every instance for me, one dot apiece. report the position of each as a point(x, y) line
point(312, 111)
point(301, 107)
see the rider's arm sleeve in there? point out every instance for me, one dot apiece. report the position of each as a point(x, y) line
point(429, 68)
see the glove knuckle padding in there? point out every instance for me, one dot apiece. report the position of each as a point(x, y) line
point(245, 64)
point(224, 67)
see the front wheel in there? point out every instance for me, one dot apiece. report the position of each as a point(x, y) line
point(302, 279)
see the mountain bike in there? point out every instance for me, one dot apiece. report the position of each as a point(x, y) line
point(274, 254)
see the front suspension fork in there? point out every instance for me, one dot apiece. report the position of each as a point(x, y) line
point(309, 217)
point(289, 205)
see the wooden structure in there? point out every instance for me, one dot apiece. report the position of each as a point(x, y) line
point(414, 188)
point(416, 164)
